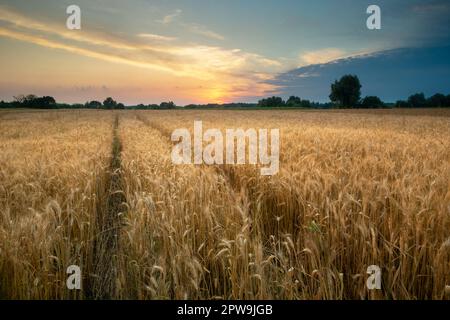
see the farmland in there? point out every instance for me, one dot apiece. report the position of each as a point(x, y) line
point(98, 189)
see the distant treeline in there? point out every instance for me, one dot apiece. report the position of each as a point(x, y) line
point(345, 93)
point(35, 102)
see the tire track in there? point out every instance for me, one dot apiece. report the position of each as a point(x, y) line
point(102, 284)
point(223, 170)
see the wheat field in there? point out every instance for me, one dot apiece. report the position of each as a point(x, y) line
point(98, 189)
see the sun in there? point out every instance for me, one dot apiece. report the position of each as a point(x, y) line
point(216, 95)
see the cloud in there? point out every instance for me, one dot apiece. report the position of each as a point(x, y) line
point(191, 27)
point(390, 74)
point(81, 51)
point(90, 88)
point(227, 68)
point(156, 37)
point(21, 21)
point(203, 31)
point(321, 56)
point(170, 17)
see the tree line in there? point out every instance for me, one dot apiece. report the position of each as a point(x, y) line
point(34, 102)
point(345, 93)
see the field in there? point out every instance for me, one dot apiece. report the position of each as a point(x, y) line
point(98, 189)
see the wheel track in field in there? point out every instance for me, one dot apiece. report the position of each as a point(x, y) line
point(102, 283)
point(241, 191)
point(223, 170)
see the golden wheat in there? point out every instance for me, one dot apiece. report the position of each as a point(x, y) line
point(355, 188)
point(51, 171)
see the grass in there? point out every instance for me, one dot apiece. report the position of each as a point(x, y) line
point(354, 189)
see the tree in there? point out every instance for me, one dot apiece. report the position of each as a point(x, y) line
point(447, 101)
point(271, 102)
point(120, 106)
point(372, 102)
point(33, 101)
point(46, 102)
point(297, 102)
point(93, 104)
point(293, 101)
point(438, 100)
point(167, 105)
point(305, 104)
point(417, 100)
point(109, 103)
point(347, 91)
point(20, 99)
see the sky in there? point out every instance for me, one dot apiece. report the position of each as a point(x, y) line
point(211, 51)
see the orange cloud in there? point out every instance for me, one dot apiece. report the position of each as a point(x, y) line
point(321, 56)
point(233, 72)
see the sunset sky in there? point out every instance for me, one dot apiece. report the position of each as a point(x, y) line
point(196, 51)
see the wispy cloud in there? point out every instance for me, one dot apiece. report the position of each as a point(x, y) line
point(191, 27)
point(227, 68)
point(170, 17)
point(321, 56)
point(203, 31)
point(156, 37)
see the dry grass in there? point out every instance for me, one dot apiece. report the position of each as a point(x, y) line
point(354, 189)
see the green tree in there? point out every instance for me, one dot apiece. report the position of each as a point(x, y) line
point(293, 101)
point(109, 103)
point(417, 100)
point(372, 102)
point(167, 105)
point(347, 91)
point(438, 100)
point(305, 104)
point(93, 104)
point(271, 102)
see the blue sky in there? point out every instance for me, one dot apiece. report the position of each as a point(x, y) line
point(213, 51)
